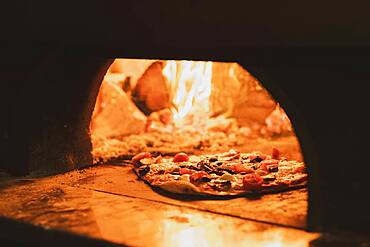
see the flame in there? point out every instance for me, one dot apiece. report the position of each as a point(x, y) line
point(190, 90)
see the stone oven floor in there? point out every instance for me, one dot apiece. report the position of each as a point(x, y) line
point(109, 203)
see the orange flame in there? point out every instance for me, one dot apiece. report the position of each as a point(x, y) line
point(190, 89)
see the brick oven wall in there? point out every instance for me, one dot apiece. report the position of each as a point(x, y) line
point(51, 94)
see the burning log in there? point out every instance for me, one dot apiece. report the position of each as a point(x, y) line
point(151, 92)
point(277, 123)
point(115, 114)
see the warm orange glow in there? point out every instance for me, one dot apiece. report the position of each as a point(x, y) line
point(190, 89)
point(204, 230)
point(183, 105)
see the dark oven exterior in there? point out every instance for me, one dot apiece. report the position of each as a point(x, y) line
point(313, 60)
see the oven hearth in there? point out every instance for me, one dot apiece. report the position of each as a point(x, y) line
point(98, 203)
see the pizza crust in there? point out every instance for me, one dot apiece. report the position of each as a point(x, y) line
point(179, 187)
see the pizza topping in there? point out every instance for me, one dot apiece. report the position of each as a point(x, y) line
point(186, 171)
point(269, 178)
point(273, 168)
point(174, 171)
point(143, 170)
point(222, 185)
point(232, 154)
point(227, 176)
point(266, 163)
point(269, 166)
point(275, 154)
point(140, 156)
point(160, 172)
point(180, 157)
point(227, 173)
point(200, 176)
point(252, 181)
point(300, 169)
point(262, 172)
point(230, 158)
point(205, 166)
point(256, 160)
point(213, 159)
point(241, 168)
point(219, 163)
point(158, 159)
point(224, 167)
point(190, 166)
point(185, 177)
point(146, 161)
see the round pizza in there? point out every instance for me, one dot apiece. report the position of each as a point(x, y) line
point(229, 173)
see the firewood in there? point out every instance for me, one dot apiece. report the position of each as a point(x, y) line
point(151, 92)
point(115, 114)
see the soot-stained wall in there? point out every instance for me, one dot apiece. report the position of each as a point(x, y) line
point(50, 96)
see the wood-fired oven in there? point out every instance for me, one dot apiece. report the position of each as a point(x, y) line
point(312, 61)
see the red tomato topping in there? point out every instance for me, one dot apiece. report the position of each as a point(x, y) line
point(186, 171)
point(180, 157)
point(140, 156)
point(196, 176)
point(252, 181)
point(275, 153)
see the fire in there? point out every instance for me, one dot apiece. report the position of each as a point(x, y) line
point(190, 90)
point(182, 105)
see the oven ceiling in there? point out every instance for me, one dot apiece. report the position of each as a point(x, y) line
point(200, 24)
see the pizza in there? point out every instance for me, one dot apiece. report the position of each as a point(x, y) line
point(221, 174)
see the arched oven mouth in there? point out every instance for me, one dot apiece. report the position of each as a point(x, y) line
point(162, 107)
point(69, 152)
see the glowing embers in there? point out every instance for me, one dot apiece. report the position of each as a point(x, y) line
point(190, 90)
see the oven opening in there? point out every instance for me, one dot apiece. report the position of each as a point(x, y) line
point(166, 107)
point(196, 107)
